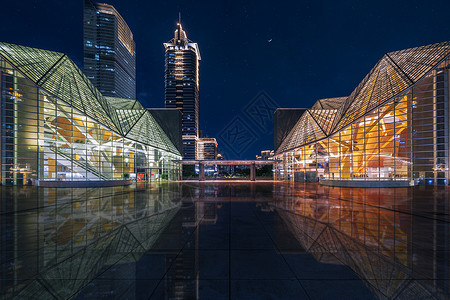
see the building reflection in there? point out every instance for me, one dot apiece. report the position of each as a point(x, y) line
point(55, 241)
point(397, 240)
point(182, 278)
point(145, 240)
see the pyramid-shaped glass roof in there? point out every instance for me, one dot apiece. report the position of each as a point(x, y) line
point(58, 75)
point(393, 74)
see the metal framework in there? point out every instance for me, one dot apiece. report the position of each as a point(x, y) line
point(53, 109)
point(388, 128)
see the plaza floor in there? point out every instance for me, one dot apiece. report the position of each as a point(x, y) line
point(225, 240)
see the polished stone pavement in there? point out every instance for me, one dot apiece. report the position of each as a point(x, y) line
point(225, 240)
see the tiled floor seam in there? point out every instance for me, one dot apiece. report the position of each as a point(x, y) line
point(282, 256)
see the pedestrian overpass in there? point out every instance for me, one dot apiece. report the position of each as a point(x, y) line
point(203, 163)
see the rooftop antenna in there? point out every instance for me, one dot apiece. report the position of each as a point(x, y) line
point(178, 31)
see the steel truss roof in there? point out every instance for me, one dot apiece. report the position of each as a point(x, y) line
point(394, 73)
point(57, 74)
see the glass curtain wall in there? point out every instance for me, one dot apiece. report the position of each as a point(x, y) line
point(44, 138)
point(405, 138)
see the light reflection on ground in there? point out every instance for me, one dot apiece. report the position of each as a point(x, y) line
point(222, 239)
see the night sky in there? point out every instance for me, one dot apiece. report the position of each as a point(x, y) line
point(295, 51)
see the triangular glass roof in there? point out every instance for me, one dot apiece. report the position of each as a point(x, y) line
point(57, 74)
point(129, 117)
point(123, 103)
point(305, 131)
point(70, 85)
point(416, 62)
point(324, 112)
point(393, 74)
point(311, 129)
point(129, 111)
point(332, 103)
point(146, 129)
point(35, 63)
point(329, 103)
point(324, 118)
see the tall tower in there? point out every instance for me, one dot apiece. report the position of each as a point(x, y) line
point(109, 51)
point(182, 86)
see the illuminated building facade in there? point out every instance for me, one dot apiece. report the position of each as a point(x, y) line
point(284, 120)
point(265, 155)
point(57, 127)
point(206, 149)
point(109, 51)
point(182, 60)
point(393, 127)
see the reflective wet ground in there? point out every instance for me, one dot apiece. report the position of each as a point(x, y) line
point(225, 240)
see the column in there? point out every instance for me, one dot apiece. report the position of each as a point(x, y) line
point(201, 175)
point(252, 172)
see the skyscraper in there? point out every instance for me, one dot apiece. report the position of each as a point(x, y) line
point(109, 51)
point(182, 86)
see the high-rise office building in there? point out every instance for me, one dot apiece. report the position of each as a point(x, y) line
point(109, 51)
point(182, 86)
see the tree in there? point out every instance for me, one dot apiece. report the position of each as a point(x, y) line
point(243, 172)
point(189, 171)
point(264, 171)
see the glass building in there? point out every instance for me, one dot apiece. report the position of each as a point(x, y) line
point(182, 60)
point(393, 127)
point(109, 51)
point(284, 119)
point(56, 126)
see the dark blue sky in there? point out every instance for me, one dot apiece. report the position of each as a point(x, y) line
point(317, 49)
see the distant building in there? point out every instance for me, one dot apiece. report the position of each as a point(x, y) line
point(109, 51)
point(206, 149)
point(182, 60)
point(265, 155)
